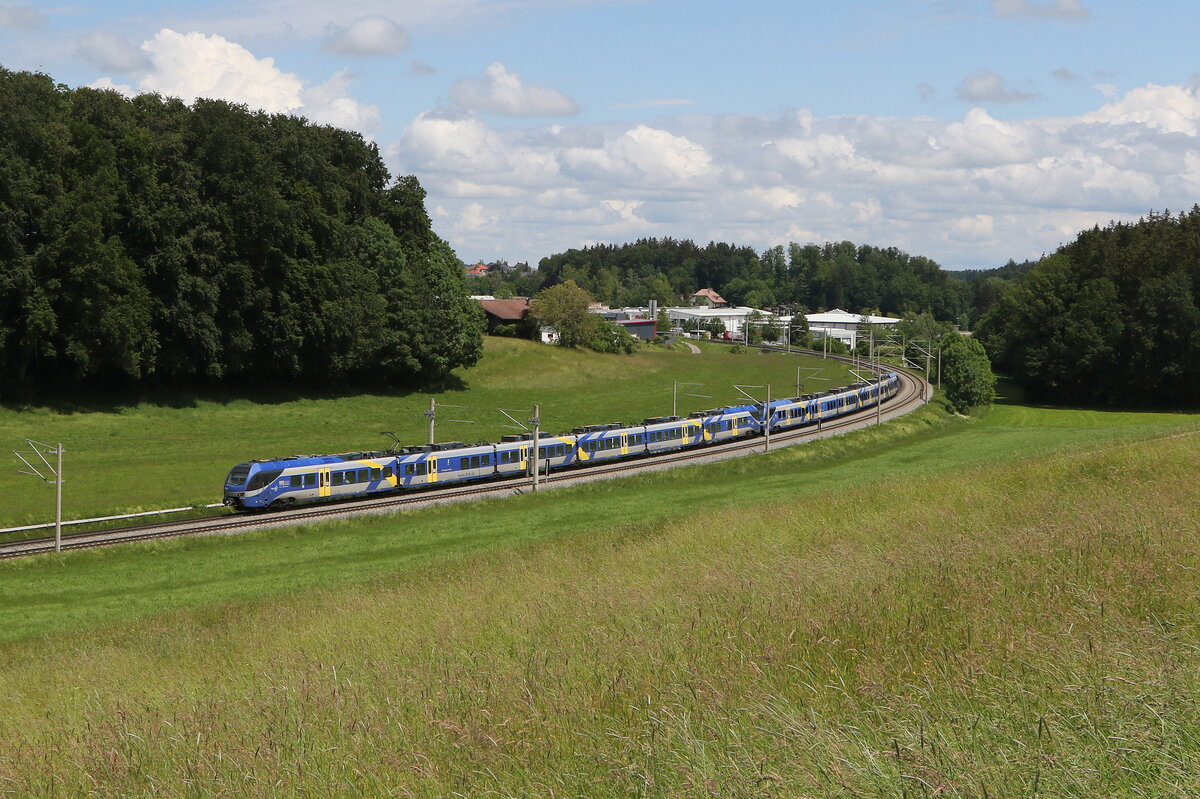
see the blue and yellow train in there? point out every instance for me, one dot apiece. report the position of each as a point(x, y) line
point(282, 482)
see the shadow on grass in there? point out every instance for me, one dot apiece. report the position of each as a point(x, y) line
point(1009, 392)
point(117, 400)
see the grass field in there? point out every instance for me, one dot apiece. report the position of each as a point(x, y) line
point(989, 607)
point(139, 455)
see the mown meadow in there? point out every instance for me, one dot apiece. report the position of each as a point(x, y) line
point(1004, 605)
point(125, 456)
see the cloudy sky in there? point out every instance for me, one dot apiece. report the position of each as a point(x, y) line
point(968, 131)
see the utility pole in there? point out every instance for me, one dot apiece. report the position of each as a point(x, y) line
point(675, 394)
point(813, 371)
point(766, 412)
point(431, 415)
point(867, 377)
point(535, 420)
point(56, 472)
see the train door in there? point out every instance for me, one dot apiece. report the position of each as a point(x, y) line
point(624, 443)
point(525, 458)
point(323, 489)
point(433, 464)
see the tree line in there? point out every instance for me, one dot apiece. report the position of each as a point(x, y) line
point(856, 278)
point(147, 241)
point(1110, 318)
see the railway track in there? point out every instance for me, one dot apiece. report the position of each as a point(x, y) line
point(913, 392)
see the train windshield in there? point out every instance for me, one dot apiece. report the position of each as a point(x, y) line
point(237, 477)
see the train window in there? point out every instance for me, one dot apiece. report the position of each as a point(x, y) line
point(310, 480)
point(263, 479)
point(237, 477)
point(387, 471)
point(409, 468)
point(364, 475)
point(375, 474)
point(336, 479)
point(421, 468)
point(295, 481)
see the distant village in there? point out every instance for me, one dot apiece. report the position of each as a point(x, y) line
point(707, 316)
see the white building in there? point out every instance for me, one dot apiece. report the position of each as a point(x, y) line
point(843, 325)
point(733, 318)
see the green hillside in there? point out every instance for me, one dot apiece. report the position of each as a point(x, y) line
point(176, 451)
point(995, 606)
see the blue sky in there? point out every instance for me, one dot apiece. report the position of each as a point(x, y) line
point(968, 131)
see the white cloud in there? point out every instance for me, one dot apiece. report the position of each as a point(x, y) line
point(110, 52)
point(660, 155)
point(1071, 10)
point(368, 36)
point(108, 84)
point(21, 17)
point(972, 228)
point(657, 103)
point(502, 92)
point(193, 65)
point(329, 103)
point(988, 87)
point(1173, 109)
point(967, 192)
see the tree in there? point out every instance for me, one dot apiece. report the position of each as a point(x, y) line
point(967, 377)
point(565, 308)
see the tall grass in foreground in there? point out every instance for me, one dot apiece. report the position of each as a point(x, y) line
point(1025, 630)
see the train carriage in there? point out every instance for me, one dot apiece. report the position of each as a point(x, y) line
point(665, 433)
point(726, 424)
point(605, 442)
point(456, 462)
point(555, 452)
point(513, 456)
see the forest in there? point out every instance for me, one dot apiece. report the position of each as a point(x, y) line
point(1111, 318)
point(149, 242)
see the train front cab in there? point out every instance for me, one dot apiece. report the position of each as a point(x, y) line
point(727, 424)
point(787, 414)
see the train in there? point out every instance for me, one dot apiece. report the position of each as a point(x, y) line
point(278, 483)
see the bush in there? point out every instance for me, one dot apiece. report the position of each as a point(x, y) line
point(967, 378)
